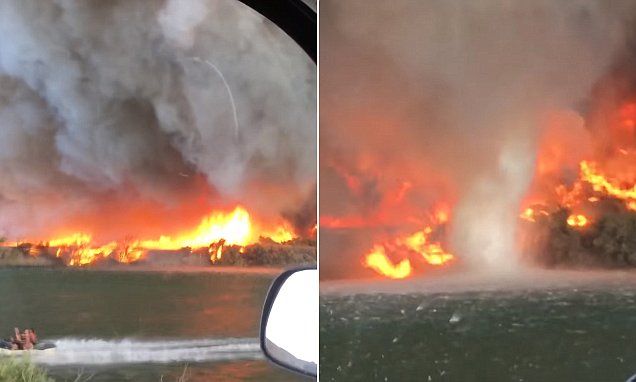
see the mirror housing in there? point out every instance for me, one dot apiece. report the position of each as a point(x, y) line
point(289, 324)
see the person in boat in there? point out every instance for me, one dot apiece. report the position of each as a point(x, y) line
point(18, 343)
point(26, 339)
point(33, 336)
point(22, 341)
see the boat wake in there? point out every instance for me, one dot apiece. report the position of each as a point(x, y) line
point(70, 351)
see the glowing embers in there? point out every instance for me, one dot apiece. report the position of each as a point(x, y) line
point(531, 213)
point(577, 220)
point(413, 249)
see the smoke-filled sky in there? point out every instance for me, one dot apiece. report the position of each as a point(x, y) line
point(451, 96)
point(117, 112)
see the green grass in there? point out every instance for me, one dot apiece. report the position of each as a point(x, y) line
point(20, 369)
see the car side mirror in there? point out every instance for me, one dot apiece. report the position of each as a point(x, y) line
point(289, 324)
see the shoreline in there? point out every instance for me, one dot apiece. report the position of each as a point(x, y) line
point(257, 259)
point(224, 269)
point(463, 281)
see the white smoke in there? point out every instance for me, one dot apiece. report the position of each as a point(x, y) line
point(113, 101)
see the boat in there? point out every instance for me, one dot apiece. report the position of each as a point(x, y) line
point(45, 347)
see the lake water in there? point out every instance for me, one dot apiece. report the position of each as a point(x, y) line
point(558, 327)
point(141, 325)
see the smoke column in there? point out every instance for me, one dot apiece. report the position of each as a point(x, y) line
point(451, 95)
point(109, 109)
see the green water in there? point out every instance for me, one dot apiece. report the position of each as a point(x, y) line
point(565, 333)
point(142, 326)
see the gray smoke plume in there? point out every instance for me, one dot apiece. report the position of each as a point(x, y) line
point(117, 108)
point(450, 95)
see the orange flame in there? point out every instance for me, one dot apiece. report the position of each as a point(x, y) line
point(432, 253)
point(84, 255)
point(379, 262)
point(76, 239)
point(419, 242)
point(577, 220)
point(590, 174)
point(233, 228)
point(282, 234)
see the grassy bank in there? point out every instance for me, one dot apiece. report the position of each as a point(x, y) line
point(20, 369)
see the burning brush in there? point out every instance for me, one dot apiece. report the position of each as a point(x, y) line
point(217, 232)
point(590, 220)
point(413, 251)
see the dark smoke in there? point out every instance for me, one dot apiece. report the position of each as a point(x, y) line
point(112, 106)
point(304, 217)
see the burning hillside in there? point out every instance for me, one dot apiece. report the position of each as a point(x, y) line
point(217, 235)
point(582, 211)
point(487, 129)
point(129, 127)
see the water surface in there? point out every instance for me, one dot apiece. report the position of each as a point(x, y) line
point(140, 325)
point(570, 327)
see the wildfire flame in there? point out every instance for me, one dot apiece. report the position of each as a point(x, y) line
point(431, 252)
point(600, 183)
point(76, 239)
point(215, 231)
point(611, 175)
point(418, 243)
point(379, 262)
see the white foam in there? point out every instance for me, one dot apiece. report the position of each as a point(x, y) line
point(77, 351)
